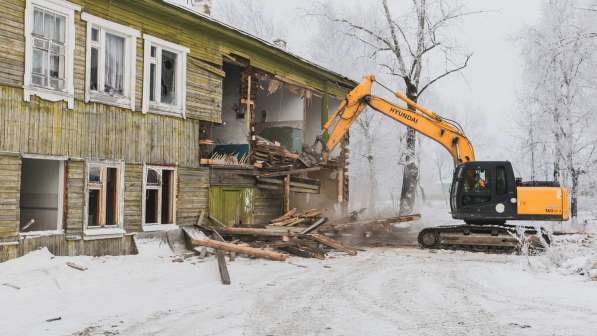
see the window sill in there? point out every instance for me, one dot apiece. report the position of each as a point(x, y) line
point(118, 101)
point(103, 233)
point(50, 95)
point(41, 233)
point(159, 227)
point(166, 110)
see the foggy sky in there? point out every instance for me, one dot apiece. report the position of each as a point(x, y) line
point(488, 86)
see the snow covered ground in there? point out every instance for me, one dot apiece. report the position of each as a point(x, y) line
point(383, 291)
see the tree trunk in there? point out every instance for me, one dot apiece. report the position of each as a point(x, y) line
point(410, 175)
point(372, 175)
point(575, 174)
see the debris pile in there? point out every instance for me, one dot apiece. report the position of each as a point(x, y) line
point(269, 154)
point(293, 218)
point(294, 233)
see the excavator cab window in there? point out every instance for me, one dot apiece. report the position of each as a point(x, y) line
point(501, 186)
point(477, 188)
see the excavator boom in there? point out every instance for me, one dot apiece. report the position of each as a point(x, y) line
point(415, 116)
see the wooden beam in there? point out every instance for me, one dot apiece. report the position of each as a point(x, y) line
point(290, 172)
point(237, 231)
point(333, 244)
point(315, 225)
point(286, 194)
point(258, 253)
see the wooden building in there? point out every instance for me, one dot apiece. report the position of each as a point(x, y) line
point(103, 109)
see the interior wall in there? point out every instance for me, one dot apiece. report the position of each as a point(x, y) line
point(40, 183)
point(313, 120)
point(233, 129)
point(280, 108)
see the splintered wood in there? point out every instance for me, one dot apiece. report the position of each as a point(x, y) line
point(291, 233)
point(270, 154)
point(292, 218)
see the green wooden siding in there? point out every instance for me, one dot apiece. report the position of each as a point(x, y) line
point(232, 206)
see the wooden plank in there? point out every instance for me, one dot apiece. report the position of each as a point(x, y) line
point(315, 225)
point(290, 172)
point(333, 244)
point(286, 194)
point(258, 253)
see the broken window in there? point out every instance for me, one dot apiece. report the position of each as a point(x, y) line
point(111, 56)
point(103, 196)
point(164, 80)
point(159, 195)
point(41, 195)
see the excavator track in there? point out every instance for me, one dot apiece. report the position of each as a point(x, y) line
point(491, 238)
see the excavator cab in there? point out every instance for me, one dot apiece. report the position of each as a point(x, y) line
point(487, 192)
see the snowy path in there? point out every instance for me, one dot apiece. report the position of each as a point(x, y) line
point(379, 292)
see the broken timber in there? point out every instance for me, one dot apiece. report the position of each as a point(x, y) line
point(255, 252)
point(333, 244)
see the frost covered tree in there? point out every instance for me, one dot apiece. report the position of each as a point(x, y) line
point(404, 41)
point(558, 113)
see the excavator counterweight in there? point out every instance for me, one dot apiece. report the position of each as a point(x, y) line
point(485, 194)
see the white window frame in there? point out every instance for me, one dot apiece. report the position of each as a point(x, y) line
point(130, 35)
point(68, 10)
point(181, 76)
point(159, 226)
point(105, 231)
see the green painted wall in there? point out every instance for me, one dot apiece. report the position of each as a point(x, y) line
point(231, 206)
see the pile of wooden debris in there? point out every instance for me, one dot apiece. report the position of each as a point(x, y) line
point(274, 242)
point(269, 154)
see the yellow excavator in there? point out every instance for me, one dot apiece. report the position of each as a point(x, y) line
point(485, 194)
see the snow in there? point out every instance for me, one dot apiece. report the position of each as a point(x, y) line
point(381, 291)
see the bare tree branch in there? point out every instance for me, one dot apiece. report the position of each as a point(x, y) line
point(458, 68)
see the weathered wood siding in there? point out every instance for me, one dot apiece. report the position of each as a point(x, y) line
point(10, 186)
point(192, 194)
point(75, 197)
point(220, 176)
point(95, 131)
point(57, 245)
point(12, 40)
point(267, 205)
point(133, 197)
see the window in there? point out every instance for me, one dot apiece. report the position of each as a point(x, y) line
point(501, 187)
point(110, 67)
point(160, 196)
point(104, 195)
point(476, 187)
point(49, 49)
point(164, 80)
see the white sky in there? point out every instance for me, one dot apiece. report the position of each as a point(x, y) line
point(488, 86)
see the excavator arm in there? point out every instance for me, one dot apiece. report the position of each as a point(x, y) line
point(445, 132)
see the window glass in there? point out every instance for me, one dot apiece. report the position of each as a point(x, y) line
point(153, 177)
point(501, 186)
point(93, 69)
point(94, 34)
point(38, 22)
point(476, 180)
point(114, 65)
point(168, 83)
point(95, 174)
point(152, 82)
point(48, 62)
